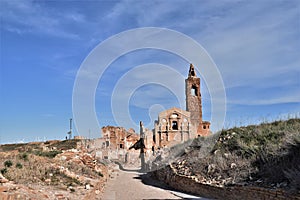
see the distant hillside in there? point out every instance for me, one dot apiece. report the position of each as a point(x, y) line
point(266, 155)
point(39, 146)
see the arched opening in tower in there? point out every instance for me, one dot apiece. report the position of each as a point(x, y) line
point(194, 91)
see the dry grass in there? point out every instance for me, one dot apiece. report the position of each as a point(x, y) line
point(267, 154)
point(38, 146)
point(40, 170)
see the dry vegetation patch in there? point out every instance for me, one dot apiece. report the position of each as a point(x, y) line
point(70, 173)
point(266, 155)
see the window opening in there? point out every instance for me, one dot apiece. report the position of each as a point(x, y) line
point(174, 125)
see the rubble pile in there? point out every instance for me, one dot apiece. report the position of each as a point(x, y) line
point(9, 190)
point(181, 168)
point(79, 157)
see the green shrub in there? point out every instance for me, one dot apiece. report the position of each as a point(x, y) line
point(19, 166)
point(8, 163)
point(24, 156)
point(3, 171)
point(49, 154)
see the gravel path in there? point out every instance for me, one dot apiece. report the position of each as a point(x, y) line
point(128, 186)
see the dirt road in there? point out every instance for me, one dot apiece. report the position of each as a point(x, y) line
point(131, 185)
point(128, 186)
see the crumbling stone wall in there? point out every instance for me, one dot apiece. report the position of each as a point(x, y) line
point(186, 184)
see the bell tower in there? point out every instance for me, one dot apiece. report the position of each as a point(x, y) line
point(193, 97)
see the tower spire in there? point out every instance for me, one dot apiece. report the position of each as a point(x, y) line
point(193, 97)
point(192, 71)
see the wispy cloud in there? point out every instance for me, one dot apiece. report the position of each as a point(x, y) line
point(255, 44)
point(285, 99)
point(47, 115)
point(34, 17)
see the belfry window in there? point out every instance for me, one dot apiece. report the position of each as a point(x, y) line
point(194, 91)
point(174, 125)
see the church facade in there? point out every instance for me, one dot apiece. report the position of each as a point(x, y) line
point(176, 125)
point(172, 127)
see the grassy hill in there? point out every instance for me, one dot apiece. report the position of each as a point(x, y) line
point(267, 155)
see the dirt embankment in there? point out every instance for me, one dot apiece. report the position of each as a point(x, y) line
point(253, 162)
point(38, 171)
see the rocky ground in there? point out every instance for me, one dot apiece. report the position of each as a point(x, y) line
point(51, 174)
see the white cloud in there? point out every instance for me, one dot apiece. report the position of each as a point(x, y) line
point(291, 98)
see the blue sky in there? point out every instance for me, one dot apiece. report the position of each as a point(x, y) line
point(255, 45)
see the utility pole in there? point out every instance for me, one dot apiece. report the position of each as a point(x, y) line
point(70, 132)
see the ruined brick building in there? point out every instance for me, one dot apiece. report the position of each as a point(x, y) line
point(173, 126)
point(176, 125)
point(118, 137)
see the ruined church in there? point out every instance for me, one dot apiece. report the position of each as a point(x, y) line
point(173, 126)
point(176, 125)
